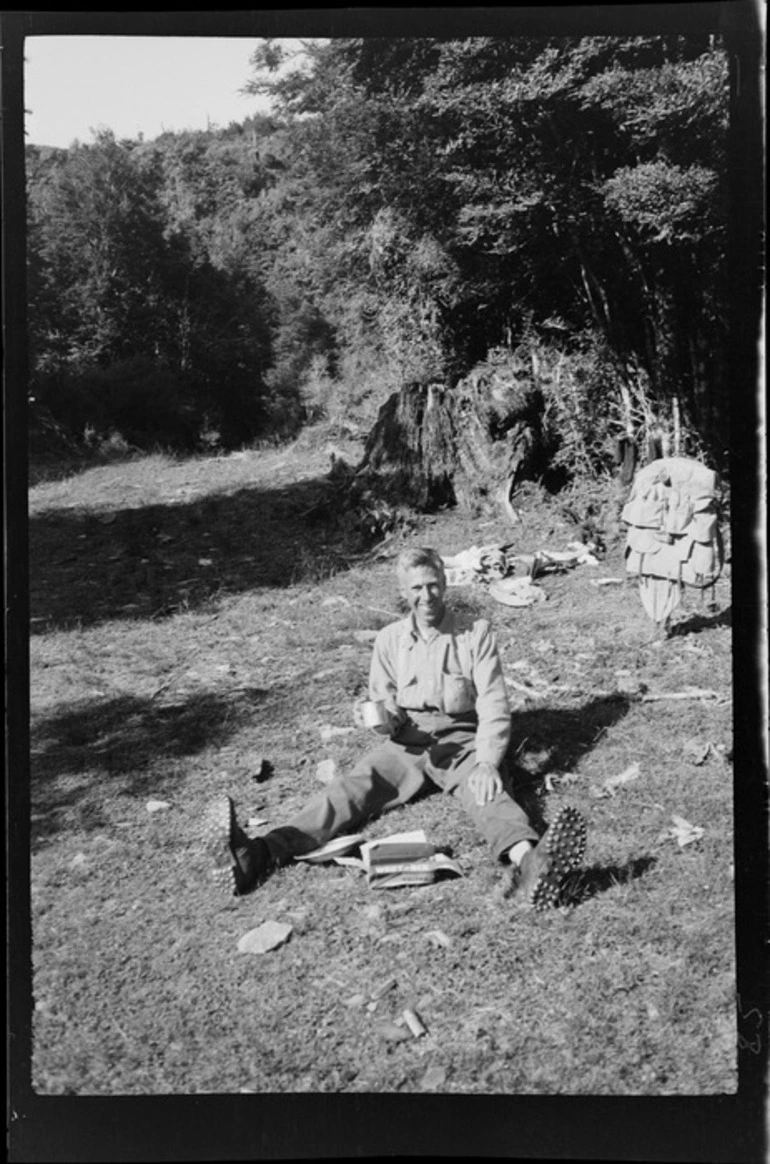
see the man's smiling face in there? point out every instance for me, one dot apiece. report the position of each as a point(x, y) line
point(424, 590)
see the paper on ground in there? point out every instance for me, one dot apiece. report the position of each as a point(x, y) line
point(334, 849)
point(683, 832)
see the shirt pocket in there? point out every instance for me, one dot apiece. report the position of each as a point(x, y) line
point(459, 694)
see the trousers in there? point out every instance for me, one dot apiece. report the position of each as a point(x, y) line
point(390, 776)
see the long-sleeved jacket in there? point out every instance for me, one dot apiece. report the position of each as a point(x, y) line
point(454, 673)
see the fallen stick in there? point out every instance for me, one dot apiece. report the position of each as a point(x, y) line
point(383, 988)
point(560, 689)
point(648, 697)
point(694, 693)
point(569, 689)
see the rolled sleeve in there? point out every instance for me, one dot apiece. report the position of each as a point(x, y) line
point(492, 706)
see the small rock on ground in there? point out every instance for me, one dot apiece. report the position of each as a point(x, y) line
point(438, 938)
point(157, 805)
point(264, 938)
point(434, 1077)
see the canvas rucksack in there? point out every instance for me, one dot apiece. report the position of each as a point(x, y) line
point(673, 537)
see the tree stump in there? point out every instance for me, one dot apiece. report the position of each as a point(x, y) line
point(467, 445)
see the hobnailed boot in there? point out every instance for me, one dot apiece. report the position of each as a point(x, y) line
point(238, 864)
point(558, 853)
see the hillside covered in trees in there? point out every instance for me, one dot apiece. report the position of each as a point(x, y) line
point(545, 218)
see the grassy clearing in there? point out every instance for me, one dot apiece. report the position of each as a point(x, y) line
point(187, 622)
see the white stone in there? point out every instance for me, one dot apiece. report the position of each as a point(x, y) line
point(269, 936)
point(157, 805)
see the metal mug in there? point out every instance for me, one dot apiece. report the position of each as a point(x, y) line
point(374, 713)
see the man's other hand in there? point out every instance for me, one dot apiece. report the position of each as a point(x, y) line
point(485, 783)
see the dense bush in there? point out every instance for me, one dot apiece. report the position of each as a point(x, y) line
point(463, 192)
point(137, 399)
point(409, 206)
point(134, 327)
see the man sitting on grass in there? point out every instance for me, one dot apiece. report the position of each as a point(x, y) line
point(448, 723)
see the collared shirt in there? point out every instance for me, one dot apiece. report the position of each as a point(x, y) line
point(454, 672)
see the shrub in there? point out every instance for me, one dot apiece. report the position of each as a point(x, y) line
point(144, 403)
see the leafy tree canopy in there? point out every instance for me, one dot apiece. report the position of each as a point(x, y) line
point(408, 205)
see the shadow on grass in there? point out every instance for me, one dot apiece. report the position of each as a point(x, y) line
point(696, 623)
point(597, 879)
point(151, 562)
point(554, 740)
point(119, 744)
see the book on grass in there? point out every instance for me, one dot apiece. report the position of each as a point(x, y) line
point(398, 847)
point(391, 875)
point(400, 859)
point(343, 850)
point(389, 852)
point(405, 859)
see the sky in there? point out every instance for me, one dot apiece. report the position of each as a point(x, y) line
point(133, 85)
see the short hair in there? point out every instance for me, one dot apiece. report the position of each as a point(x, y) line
point(419, 556)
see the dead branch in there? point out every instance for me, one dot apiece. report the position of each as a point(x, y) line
point(692, 693)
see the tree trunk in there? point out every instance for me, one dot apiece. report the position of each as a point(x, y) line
point(433, 446)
